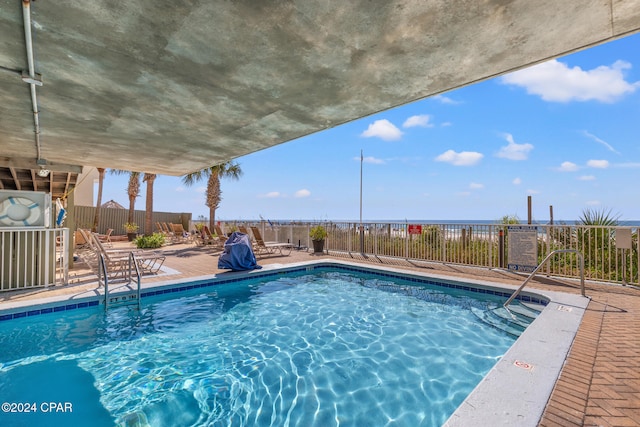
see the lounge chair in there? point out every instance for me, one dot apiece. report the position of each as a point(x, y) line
point(220, 233)
point(81, 241)
point(92, 239)
point(149, 262)
point(168, 231)
point(206, 238)
point(260, 246)
point(106, 238)
point(117, 260)
point(90, 254)
point(180, 233)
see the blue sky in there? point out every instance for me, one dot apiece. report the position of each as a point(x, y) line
point(565, 132)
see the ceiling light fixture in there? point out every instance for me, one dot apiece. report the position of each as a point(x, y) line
point(43, 172)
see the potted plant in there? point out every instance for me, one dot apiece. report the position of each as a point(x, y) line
point(318, 233)
point(131, 228)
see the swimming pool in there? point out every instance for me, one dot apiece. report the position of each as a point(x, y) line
point(332, 345)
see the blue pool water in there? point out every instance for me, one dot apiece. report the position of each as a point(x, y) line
point(322, 349)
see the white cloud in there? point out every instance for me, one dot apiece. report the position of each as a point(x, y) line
point(383, 129)
point(587, 178)
point(554, 81)
point(464, 158)
point(593, 202)
point(599, 141)
point(271, 195)
point(568, 167)
point(201, 189)
point(628, 165)
point(476, 186)
point(599, 164)
point(464, 193)
point(180, 189)
point(446, 100)
point(446, 124)
point(421, 120)
point(531, 191)
point(516, 181)
point(303, 193)
point(513, 151)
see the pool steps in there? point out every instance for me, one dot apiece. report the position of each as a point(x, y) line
point(513, 321)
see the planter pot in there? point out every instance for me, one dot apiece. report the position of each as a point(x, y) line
point(318, 246)
point(132, 236)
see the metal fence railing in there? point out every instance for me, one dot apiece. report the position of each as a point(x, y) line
point(33, 257)
point(470, 244)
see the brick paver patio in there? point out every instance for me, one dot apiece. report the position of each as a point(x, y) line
point(598, 386)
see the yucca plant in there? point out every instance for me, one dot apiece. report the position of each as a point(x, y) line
point(594, 238)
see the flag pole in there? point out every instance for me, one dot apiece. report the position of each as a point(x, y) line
point(361, 227)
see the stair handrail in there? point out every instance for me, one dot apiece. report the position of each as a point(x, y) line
point(557, 251)
point(102, 271)
point(134, 261)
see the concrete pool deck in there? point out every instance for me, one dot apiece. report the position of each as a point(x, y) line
point(599, 384)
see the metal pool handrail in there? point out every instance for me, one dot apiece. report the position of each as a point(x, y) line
point(580, 257)
point(102, 271)
point(134, 261)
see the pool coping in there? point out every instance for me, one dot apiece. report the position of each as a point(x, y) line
point(514, 392)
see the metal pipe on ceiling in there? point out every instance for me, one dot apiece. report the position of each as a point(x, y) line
point(26, 15)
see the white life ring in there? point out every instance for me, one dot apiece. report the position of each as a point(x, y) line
point(19, 212)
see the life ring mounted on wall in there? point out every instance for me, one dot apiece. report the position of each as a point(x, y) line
point(19, 212)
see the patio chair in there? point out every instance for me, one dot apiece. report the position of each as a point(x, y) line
point(106, 238)
point(260, 246)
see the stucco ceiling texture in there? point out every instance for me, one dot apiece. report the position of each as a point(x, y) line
point(170, 87)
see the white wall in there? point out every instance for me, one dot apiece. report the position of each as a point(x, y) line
point(84, 187)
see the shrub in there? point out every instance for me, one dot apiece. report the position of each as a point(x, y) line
point(318, 232)
point(130, 227)
point(150, 242)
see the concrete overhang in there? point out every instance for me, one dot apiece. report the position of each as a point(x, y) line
point(170, 87)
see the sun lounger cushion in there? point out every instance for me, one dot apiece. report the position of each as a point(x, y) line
point(238, 254)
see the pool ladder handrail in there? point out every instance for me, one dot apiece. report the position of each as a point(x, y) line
point(557, 251)
point(102, 271)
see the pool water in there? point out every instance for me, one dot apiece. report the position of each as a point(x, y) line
point(322, 349)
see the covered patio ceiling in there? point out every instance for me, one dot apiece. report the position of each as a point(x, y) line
point(170, 87)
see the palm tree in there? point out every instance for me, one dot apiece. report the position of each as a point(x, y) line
point(96, 218)
point(148, 215)
point(133, 191)
point(213, 174)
